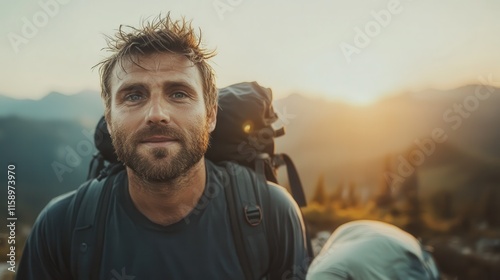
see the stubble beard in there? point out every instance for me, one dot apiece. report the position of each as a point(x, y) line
point(161, 165)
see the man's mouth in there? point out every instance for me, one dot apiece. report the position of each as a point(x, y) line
point(159, 141)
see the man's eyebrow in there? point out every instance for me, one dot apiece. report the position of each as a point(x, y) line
point(131, 86)
point(172, 84)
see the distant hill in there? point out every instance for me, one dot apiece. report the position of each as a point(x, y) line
point(453, 169)
point(84, 107)
point(346, 142)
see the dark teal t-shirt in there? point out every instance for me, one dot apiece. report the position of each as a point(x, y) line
point(201, 246)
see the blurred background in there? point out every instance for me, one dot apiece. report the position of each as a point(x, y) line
point(390, 107)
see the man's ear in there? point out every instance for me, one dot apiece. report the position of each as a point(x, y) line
point(212, 119)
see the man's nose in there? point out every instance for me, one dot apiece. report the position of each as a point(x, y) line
point(158, 112)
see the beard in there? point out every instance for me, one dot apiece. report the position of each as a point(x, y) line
point(161, 164)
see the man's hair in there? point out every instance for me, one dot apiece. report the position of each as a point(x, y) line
point(161, 35)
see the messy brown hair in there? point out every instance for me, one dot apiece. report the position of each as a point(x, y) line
point(160, 35)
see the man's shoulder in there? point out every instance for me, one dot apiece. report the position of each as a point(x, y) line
point(57, 208)
point(64, 204)
point(52, 222)
point(280, 197)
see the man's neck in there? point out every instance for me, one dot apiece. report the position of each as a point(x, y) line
point(169, 202)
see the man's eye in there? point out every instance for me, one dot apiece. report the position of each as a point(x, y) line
point(134, 97)
point(179, 95)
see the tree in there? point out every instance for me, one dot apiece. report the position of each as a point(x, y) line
point(383, 197)
point(489, 206)
point(336, 195)
point(320, 196)
point(442, 204)
point(352, 195)
point(409, 194)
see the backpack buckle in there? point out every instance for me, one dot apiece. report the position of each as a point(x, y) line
point(253, 215)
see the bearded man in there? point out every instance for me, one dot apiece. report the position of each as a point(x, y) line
point(160, 106)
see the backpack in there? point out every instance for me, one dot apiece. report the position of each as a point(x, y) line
point(242, 142)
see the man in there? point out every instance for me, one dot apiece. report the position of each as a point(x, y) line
point(372, 250)
point(160, 106)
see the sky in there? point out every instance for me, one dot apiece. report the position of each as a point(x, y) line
point(353, 51)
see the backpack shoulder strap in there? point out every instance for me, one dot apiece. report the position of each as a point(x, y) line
point(293, 178)
point(90, 207)
point(245, 192)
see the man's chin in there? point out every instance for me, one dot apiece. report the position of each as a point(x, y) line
point(156, 153)
point(154, 170)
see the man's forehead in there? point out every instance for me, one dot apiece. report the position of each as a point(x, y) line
point(158, 63)
point(154, 63)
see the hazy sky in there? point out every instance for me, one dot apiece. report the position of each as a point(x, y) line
point(356, 51)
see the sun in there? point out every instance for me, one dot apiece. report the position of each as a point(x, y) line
point(361, 99)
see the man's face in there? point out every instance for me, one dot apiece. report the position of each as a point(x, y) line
point(158, 120)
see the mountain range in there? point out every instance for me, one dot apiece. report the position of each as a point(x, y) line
point(342, 142)
point(83, 107)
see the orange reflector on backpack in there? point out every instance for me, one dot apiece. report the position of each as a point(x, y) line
point(247, 127)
